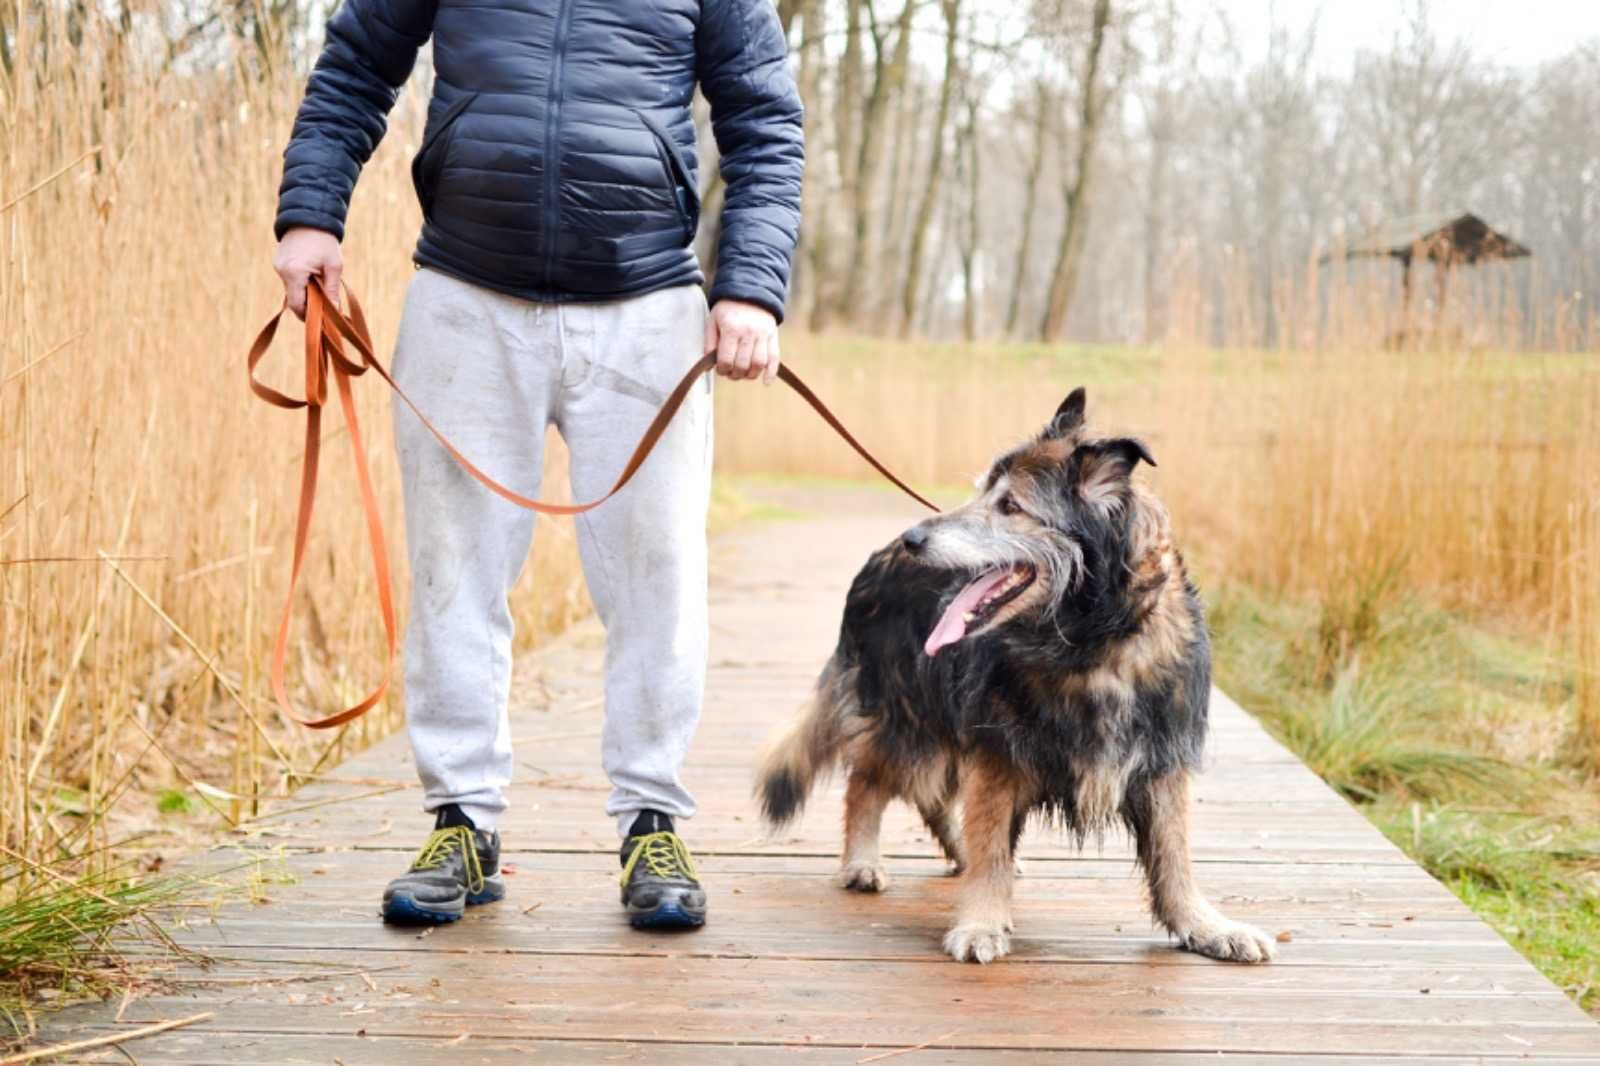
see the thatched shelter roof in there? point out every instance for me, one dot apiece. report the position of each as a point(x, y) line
point(1460, 237)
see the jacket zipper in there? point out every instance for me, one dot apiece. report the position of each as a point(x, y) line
point(552, 138)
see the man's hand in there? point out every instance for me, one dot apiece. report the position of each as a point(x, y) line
point(745, 338)
point(305, 253)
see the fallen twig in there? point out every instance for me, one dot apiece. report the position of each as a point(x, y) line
point(325, 802)
point(102, 1041)
point(925, 1045)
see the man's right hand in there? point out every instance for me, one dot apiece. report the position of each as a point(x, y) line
point(304, 253)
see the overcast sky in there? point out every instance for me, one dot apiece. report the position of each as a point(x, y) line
point(1516, 32)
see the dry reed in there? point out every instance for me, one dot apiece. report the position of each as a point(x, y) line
point(136, 204)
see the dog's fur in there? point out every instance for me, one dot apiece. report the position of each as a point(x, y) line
point(1082, 694)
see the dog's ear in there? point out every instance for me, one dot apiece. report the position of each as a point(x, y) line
point(1100, 469)
point(1069, 416)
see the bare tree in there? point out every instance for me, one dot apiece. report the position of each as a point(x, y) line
point(930, 187)
point(969, 154)
point(1435, 115)
point(1080, 180)
point(890, 59)
point(1037, 136)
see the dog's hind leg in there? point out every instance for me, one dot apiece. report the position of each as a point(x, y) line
point(861, 868)
point(990, 800)
point(1158, 814)
point(946, 829)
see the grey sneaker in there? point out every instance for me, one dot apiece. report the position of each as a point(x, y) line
point(660, 886)
point(457, 867)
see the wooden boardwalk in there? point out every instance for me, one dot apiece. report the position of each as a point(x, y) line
point(1378, 961)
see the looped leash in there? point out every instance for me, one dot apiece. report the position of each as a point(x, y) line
point(327, 332)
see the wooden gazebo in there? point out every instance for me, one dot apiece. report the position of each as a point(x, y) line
point(1446, 240)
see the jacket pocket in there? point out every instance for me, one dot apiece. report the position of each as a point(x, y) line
point(685, 196)
point(428, 163)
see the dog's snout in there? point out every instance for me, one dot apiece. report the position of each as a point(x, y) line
point(915, 538)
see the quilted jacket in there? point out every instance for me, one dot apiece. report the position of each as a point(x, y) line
point(558, 161)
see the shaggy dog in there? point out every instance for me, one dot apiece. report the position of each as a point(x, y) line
point(1038, 650)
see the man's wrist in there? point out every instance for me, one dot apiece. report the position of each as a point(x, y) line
point(755, 299)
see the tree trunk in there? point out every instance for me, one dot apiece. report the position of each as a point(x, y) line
point(1155, 225)
point(1029, 201)
point(930, 188)
point(1064, 279)
point(972, 232)
point(847, 112)
point(810, 299)
point(869, 167)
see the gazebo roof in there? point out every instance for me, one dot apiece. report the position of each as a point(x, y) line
point(1460, 237)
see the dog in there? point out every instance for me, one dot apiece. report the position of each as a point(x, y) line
point(1040, 650)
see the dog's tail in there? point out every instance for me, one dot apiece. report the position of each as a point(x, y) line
point(795, 757)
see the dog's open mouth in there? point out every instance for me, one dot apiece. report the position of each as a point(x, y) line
point(977, 604)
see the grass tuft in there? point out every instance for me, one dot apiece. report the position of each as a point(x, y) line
point(64, 934)
point(1367, 739)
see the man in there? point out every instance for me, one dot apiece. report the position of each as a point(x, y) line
point(557, 286)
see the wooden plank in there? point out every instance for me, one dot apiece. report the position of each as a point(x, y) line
point(856, 1002)
point(213, 1048)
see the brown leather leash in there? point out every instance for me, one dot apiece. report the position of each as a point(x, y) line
point(327, 330)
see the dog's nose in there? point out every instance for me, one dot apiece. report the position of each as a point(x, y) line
point(915, 539)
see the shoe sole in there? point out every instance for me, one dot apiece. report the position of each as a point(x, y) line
point(403, 910)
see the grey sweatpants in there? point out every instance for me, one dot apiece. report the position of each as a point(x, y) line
point(492, 372)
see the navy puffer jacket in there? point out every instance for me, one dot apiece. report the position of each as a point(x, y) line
point(558, 161)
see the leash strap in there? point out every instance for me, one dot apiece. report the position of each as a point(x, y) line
point(327, 331)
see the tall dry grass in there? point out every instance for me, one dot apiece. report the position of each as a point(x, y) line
point(136, 202)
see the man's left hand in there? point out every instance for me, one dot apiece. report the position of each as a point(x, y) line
point(745, 337)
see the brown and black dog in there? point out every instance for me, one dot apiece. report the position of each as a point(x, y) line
point(1038, 650)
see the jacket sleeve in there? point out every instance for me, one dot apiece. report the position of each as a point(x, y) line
point(743, 67)
point(371, 47)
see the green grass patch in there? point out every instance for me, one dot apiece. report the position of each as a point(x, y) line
point(1447, 735)
point(1535, 879)
point(63, 933)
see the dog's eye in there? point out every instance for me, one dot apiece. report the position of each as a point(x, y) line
point(1008, 506)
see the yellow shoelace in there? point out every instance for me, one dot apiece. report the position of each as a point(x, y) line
point(441, 842)
point(664, 855)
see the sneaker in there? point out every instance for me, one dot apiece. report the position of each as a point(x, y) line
point(457, 867)
point(660, 886)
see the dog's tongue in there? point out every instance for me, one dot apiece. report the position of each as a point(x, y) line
point(952, 625)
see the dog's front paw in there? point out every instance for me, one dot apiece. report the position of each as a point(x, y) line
point(977, 943)
point(1230, 942)
point(863, 877)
